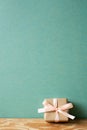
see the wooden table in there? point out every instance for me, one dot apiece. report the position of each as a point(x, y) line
point(40, 124)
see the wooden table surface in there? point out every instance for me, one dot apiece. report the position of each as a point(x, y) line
point(40, 124)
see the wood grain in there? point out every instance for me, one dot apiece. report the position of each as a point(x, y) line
point(40, 124)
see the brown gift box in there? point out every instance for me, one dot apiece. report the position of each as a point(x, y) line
point(50, 116)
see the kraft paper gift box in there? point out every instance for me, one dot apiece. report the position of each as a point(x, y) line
point(56, 110)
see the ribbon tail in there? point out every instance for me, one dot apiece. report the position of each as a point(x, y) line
point(46, 109)
point(41, 110)
point(67, 114)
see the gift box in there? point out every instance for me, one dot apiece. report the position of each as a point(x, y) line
point(56, 110)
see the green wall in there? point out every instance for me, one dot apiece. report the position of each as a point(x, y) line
point(43, 54)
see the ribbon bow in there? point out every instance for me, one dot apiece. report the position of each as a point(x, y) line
point(62, 109)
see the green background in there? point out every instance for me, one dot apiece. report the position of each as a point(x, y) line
point(43, 54)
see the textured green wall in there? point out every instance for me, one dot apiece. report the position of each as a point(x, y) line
point(43, 53)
